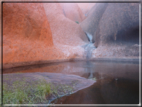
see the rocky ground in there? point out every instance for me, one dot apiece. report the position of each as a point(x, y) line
point(54, 85)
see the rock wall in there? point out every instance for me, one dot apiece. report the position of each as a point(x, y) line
point(73, 12)
point(86, 7)
point(27, 37)
point(34, 33)
point(91, 23)
point(64, 30)
point(67, 35)
point(115, 29)
point(23, 21)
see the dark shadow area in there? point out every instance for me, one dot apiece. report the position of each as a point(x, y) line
point(106, 91)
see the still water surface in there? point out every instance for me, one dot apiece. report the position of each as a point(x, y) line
point(116, 82)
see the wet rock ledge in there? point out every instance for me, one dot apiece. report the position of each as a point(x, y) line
point(41, 87)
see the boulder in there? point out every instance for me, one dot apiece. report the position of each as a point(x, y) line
point(115, 28)
point(122, 24)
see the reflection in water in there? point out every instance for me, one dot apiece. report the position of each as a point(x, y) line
point(116, 82)
point(107, 91)
point(89, 69)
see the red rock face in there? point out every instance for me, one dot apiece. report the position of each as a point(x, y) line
point(26, 34)
point(35, 33)
point(26, 21)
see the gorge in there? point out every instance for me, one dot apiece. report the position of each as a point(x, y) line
point(84, 51)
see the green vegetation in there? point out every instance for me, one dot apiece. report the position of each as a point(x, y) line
point(94, 79)
point(77, 22)
point(22, 92)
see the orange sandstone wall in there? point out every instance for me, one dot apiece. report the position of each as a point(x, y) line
point(34, 33)
point(27, 36)
point(26, 21)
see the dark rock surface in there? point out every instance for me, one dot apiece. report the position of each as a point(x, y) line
point(113, 22)
point(90, 24)
point(115, 28)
